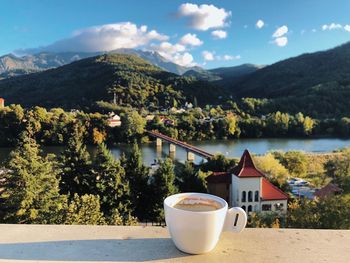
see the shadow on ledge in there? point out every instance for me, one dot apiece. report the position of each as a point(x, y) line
point(93, 250)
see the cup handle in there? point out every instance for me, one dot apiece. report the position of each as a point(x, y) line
point(236, 219)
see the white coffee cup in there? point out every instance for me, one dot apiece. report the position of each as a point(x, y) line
point(198, 232)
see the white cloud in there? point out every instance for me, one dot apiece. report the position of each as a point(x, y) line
point(174, 53)
point(332, 26)
point(229, 57)
point(280, 31)
point(105, 38)
point(208, 56)
point(314, 30)
point(279, 36)
point(185, 59)
point(281, 41)
point(219, 34)
point(191, 39)
point(143, 28)
point(204, 17)
point(167, 47)
point(259, 24)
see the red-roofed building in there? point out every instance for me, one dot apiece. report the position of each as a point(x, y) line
point(329, 190)
point(247, 187)
point(2, 103)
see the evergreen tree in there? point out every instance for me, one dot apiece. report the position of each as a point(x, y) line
point(31, 189)
point(76, 176)
point(163, 185)
point(111, 184)
point(190, 180)
point(138, 175)
point(84, 210)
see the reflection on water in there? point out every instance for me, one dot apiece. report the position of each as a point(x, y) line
point(230, 148)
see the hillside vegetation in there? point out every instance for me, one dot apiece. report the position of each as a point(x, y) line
point(82, 83)
point(316, 83)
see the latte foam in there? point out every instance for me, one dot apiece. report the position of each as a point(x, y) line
point(197, 204)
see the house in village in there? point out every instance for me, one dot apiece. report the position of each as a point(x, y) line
point(150, 117)
point(166, 121)
point(247, 187)
point(327, 191)
point(2, 103)
point(114, 120)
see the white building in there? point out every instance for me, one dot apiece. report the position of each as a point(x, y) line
point(114, 120)
point(247, 187)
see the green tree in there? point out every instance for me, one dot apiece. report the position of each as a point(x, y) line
point(339, 170)
point(190, 180)
point(133, 125)
point(76, 175)
point(270, 166)
point(266, 220)
point(31, 192)
point(84, 210)
point(111, 183)
point(163, 185)
point(218, 163)
point(325, 213)
point(138, 175)
point(295, 162)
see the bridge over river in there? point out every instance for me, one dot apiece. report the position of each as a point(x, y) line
point(191, 150)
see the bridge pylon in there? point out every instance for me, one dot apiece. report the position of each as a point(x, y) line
point(190, 156)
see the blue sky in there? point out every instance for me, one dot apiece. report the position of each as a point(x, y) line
point(206, 33)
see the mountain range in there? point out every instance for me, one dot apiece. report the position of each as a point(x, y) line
point(11, 65)
point(315, 83)
point(81, 83)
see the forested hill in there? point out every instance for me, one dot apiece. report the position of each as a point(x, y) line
point(82, 83)
point(317, 84)
point(305, 74)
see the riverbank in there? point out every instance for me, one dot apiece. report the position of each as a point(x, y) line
point(229, 148)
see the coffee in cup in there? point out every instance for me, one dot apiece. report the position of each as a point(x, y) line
point(195, 220)
point(197, 204)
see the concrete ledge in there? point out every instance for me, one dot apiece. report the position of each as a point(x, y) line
point(47, 243)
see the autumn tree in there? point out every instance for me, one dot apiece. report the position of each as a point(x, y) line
point(275, 171)
point(294, 161)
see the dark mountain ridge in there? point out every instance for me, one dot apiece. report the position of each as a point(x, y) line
point(298, 75)
point(135, 81)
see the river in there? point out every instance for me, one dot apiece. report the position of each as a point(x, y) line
point(230, 148)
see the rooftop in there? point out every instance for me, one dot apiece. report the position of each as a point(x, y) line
point(271, 192)
point(48, 243)
point(329, 189)
point(246, 167)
